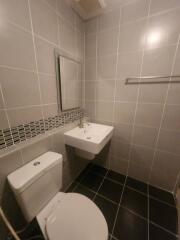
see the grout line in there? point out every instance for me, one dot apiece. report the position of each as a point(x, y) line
point(166, 230)
point(135, 190)
point(96, 59)
point(100, 184)
point(36, 63)
point(164, 107)
point(138, 89)
point(119, 205)
point(7, 117)
point(116, 69)
point(108, 199)
point(161, 201)
point(134, 213)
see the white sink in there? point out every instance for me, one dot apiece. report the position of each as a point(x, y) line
point(91, 138)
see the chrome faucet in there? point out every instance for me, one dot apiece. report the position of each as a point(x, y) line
point(81, 122)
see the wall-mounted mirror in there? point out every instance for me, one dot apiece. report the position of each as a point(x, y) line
point(69, 82)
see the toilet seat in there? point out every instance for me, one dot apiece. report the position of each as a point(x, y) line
point(76, 218)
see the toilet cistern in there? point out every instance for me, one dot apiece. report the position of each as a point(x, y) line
point(70, 216)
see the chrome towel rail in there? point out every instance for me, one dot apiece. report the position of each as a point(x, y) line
point(152, 79)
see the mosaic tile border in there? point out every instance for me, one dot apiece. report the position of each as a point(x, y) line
point(23, 132)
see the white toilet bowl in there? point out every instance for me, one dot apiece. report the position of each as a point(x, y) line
point(61, 216)
point(72, 216)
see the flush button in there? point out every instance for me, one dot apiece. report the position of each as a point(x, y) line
point(36, 163)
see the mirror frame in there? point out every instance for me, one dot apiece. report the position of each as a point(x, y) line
point(58, 53)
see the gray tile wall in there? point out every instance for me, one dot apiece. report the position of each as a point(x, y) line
point(30, 31)
point(138, 38)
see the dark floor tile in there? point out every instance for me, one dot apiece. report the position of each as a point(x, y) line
point(71, 187)
point(137, 185)
point(32, 231)
point(92, 181)
point(98, 170)
point(83, 190)
point(157, 233)
point(161, 195)
point(108, 209)
point(116, 176)
point(135, 201)
point(111, 190)
point(83, 173)
point(130, 227)
point(163, 215)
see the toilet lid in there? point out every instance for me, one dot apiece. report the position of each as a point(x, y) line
point(76, 218)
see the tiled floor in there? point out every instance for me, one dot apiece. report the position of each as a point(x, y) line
point(133, 210)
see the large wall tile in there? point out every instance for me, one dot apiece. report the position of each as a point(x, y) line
point(80, 42)
point(163, 29)
point(140, 163)
point(176, 70)
point(161, 5)
point(90, 90)
point(168, 141)
point(158, 62)
point(50, 110)
point(108, 42)
point(65, 11)
point(48, 88)
point(90, 71)
point(173, 94)
point(120, 149)
point(90, 109)
point(45, 56)
point(8, 164)
point(149, 114)
point(129, 65)
point(67, 37)
point(152, 93)
point(52, 3)
point(165, 164)
point(118, 164)
point(145, 136)
point(91, 26)
point(126, 92)
point(1, 99)
point(106, 67)
point(59, 143)
point(122, 132)
point(14, 80)
point(90, 41)
point(44, 20)
point(24, 115)
point(171, 119)
point(16, 47)
point(124, 112)
point(109, 20)
point(3, 120)
point(135, 10)
point(127, 43)
point(104, 111)
point(16, 11)
point(36, 148)
point(105, 90)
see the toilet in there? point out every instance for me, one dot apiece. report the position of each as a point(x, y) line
point(61, 216)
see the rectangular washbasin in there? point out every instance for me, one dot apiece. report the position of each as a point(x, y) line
point(91, 138)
